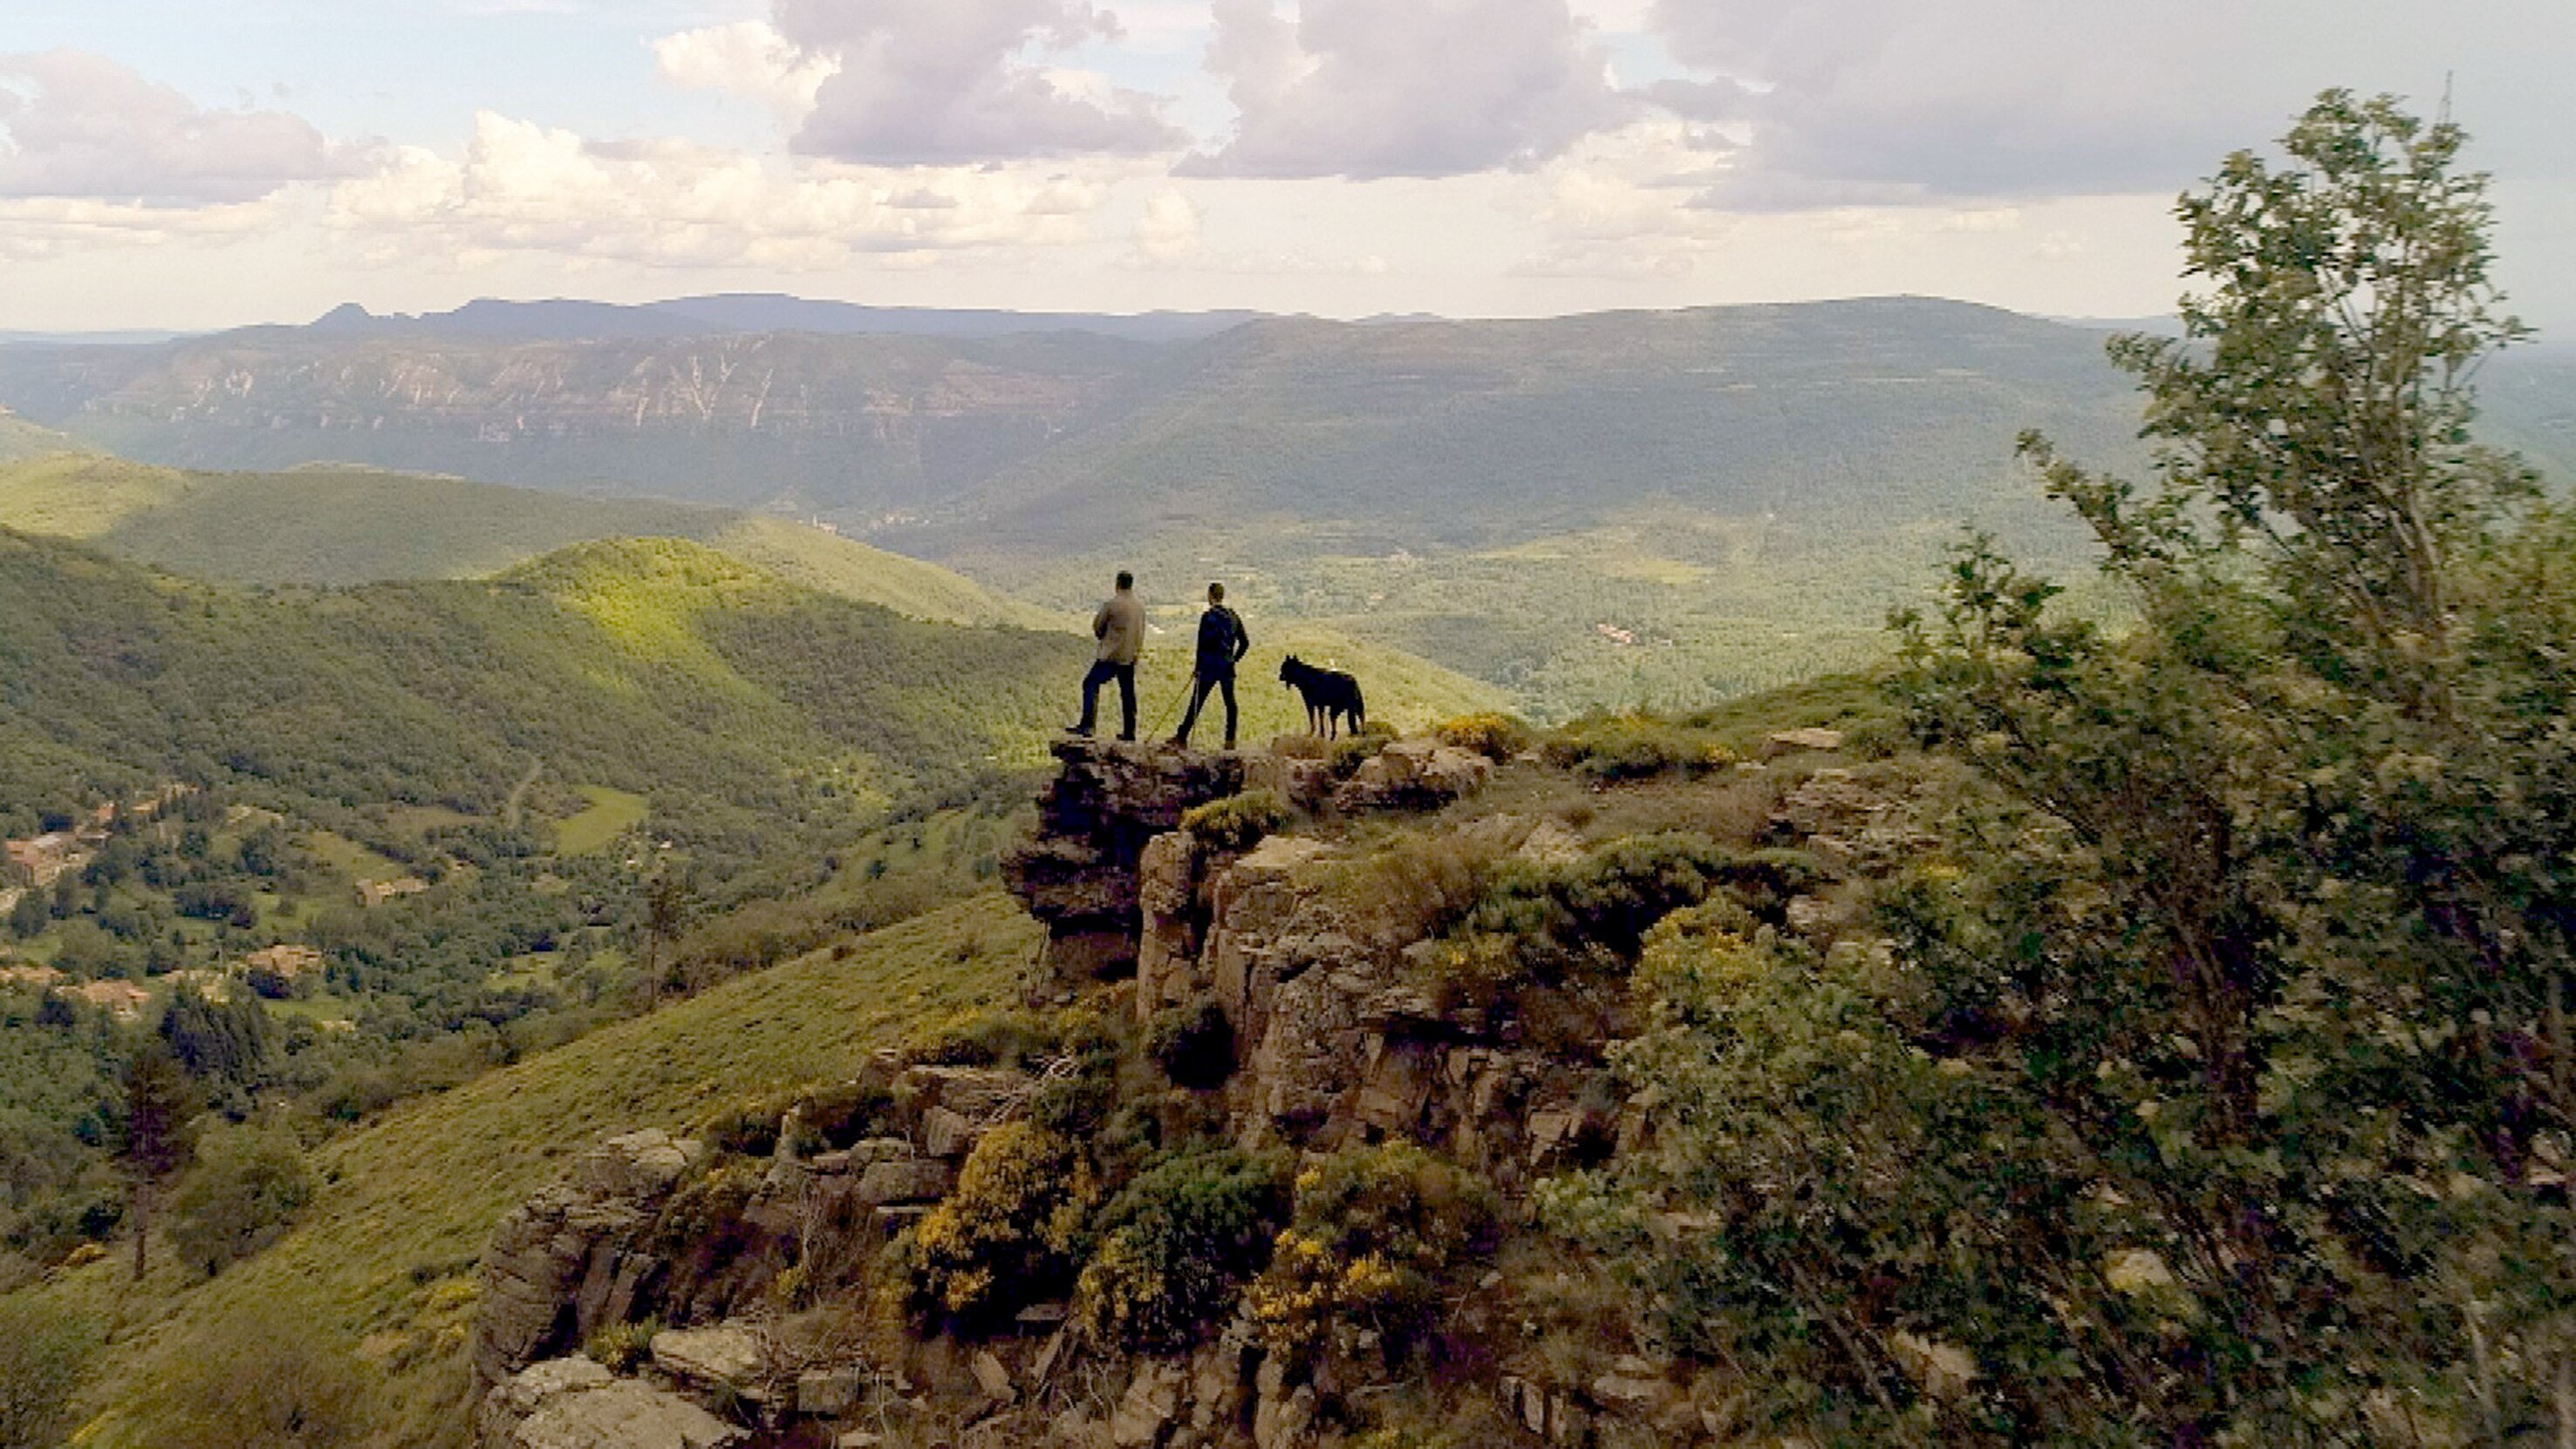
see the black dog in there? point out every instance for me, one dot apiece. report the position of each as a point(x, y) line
point(1329, 695)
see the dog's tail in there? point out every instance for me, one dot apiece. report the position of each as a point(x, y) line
point(1359, 708)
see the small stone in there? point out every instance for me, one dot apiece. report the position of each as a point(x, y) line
point(831, 1392)
point(1809, 739)
point(858, 1439)
point(1153, 1397)
point(1047, 1358)
point(945, 1133)
point(914, 1180)
point(991, 1376)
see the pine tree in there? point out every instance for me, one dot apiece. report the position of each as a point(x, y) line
point(160, 1137)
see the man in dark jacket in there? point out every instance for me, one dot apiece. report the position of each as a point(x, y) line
point(1120, 628)
point(1222, 644)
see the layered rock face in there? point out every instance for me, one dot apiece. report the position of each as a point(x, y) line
point(1079, 874)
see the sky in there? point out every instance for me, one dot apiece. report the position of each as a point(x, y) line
point(201, 163)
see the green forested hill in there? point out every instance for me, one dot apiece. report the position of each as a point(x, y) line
point(660, 667)
point(617, 664)
point(336, 525)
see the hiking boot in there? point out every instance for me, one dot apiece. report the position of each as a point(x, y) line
point(1078, 731)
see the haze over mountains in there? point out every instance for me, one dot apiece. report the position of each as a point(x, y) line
point(967, 432)
point(1609, 509)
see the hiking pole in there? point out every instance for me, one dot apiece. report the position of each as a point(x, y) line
point(1156, 733)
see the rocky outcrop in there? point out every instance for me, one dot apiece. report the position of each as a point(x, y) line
point(1414, 775)
point(1078, 876)
point(562, 1263)
point(1853, 823)
point(1342, 1033)
point(573, 1403)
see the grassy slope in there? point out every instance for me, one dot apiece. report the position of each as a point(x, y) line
point(335, 526)
point(379, 1258)
point(22, 439)
point(833, 565)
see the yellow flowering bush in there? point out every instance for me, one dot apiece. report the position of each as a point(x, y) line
point(1010, 1234)
point(1495, 736)
point(1374, 1229)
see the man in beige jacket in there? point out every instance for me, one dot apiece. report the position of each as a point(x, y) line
point(1120, 628)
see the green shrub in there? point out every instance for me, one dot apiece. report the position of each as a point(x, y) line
point(982, 1036)
point(746, 1129)
point(1610, 898)
point(1497, 737)
point(1177, 1243)
point(261, 1377)
point(1613, 748)
point(832, 1117)
point(1237, 822)
point(45, 1352)
point(702, 1223)
point(619, 1347)
point(1193, 1043)
point(1010, 1233)
point(246, 1188)
point(1374, 1231)
point(1474, 971)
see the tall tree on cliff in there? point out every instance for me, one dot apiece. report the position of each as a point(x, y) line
point(2220, 1085)
point(159, 1136)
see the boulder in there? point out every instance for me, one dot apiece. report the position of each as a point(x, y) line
point(982, 1093)
point(573, 1403)
point(1145, 1413)
point(724, 1356)
point(1414, 775)
point(1167, 952)
point(637, 1167)
point(1811, 738)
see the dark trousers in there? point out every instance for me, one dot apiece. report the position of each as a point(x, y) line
point(1101, 673)
point(1198, 696)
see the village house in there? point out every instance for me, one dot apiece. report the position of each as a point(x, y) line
point(285, 962)
point(121, 999)
point(42, 860)
point(212, 985)
point(373, 893)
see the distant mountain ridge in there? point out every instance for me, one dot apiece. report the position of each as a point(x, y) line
point(954, 430)
point(494, 319)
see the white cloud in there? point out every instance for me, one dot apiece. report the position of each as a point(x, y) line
point(35, 228)
point(81, 126)
point(945, 82)
point(748, 58)
point(1368, 88)
point(1869, 102)
point(1169, 229)
point(1618, 203)
point(520, 187)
